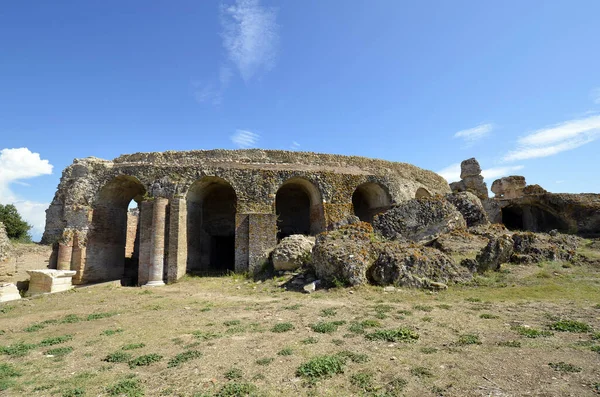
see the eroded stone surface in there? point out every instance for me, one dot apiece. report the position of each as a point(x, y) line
point(471, 179)
point(293, 252)
point(49, 280)
point(9, 292)
point(509, 187)
point(470, 207)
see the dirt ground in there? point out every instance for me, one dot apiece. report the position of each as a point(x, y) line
point(503, 335)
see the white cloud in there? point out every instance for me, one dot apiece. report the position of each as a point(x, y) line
point(452, 172)
point(499, 172)
point(250, 36)
point(295, 145)
point(556, 139)
point(245, 139)
point(472, 135)
point(17, 164)
point(595, 95)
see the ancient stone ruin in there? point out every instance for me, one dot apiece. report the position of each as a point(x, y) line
point(207, 212)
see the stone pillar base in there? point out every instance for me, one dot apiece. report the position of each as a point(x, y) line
point(9, 292)
point(154, 284)
point(48, 281)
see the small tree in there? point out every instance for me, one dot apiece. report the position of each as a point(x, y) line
point(16, 227)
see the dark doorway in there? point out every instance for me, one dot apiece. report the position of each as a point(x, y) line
point(370, 199)
point(532, 218)
point(299, 208)
point(211, 209)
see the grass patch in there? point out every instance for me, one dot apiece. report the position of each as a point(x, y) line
point(488, 316)
point(570, 326)
point(76, 392)
point(98, 316)
point(285, 352)
point(444, 306)
point(428, 350)
point(510, 343)
point(133, 346)
point(282, 327)
point(564, 367)
point(183, 358)
point(532, 332)
point(127, 388)
point(56, 340)
point(311, 340)
point(7, 373)
point(17, 350)
point(297, 306)
point(468, 339)
point(145, 360)
point(264, 361)
point(237, 389)
point(330, 312)
point(205, 335)
point(321, 367)
point(323, 327)
point(363, 381)
point(70, 319)
point(110, 332)
point(34, 327)
point(421, 372)
point(118, 357)
point(359, 327)
point(393, 335)
point(354, 357)
point(59, 351)
point(232, 323)
point(234, 373)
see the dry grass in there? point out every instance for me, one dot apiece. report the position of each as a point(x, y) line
point(186, 339)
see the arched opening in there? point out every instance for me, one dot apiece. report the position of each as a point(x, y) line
point(422, 193)
point(531, 218)
point(370, 199)
point(299, 208)
point(112, 249)
point(211, 207)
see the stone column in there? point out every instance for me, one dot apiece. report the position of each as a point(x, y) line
point(157, 257)
point(65, 253)
point(177, 257)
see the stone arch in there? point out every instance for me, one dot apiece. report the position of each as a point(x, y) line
point(370, 199)
point(107, 239)
point(299, 208)
point(422, 193)
point(211, 210)
point(532, 218)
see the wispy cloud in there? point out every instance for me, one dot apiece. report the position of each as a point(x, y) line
point(472, 135)
point(245, 139)
point(295, 145)
point(556, 139)
point(452, 172)
point(595, 95)
point(499, 172)
point(250, 36)
point(18, 164)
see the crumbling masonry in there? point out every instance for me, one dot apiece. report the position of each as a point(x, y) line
point(204, 212)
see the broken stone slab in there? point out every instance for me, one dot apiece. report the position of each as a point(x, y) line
point(9, 292)
point(48, 281)
point(311, 287)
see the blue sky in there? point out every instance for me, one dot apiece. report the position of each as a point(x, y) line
point(515, 84)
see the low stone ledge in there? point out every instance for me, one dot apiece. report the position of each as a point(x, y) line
point(47, 281)
point(9, 292)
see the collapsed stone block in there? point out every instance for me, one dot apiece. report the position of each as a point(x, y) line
point(8, 292)
point(509, 187)
point(49, 280)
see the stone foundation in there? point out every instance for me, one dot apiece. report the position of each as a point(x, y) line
point(48, 281)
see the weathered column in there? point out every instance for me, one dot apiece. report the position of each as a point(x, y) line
point(255, 237)
point(145, 226)
point(78, 259)
point(157, 258)
point(65, 253)
point(177, 257)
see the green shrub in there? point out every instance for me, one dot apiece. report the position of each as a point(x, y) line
point(282, 327)
point(322, 367)
point(531, 332)
point(17, 350)
point(564, 367)
point(59, 351)
point(324, 327)
point(127, 388)
point(34, 327)
point(393, 335)
point(237, 389)
point(145, 360)
point(183, 358)
point(468, 339)
point(56, 340)
point(118, 357)
point(570, 326)
point(16, 227)
point(133, 346)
